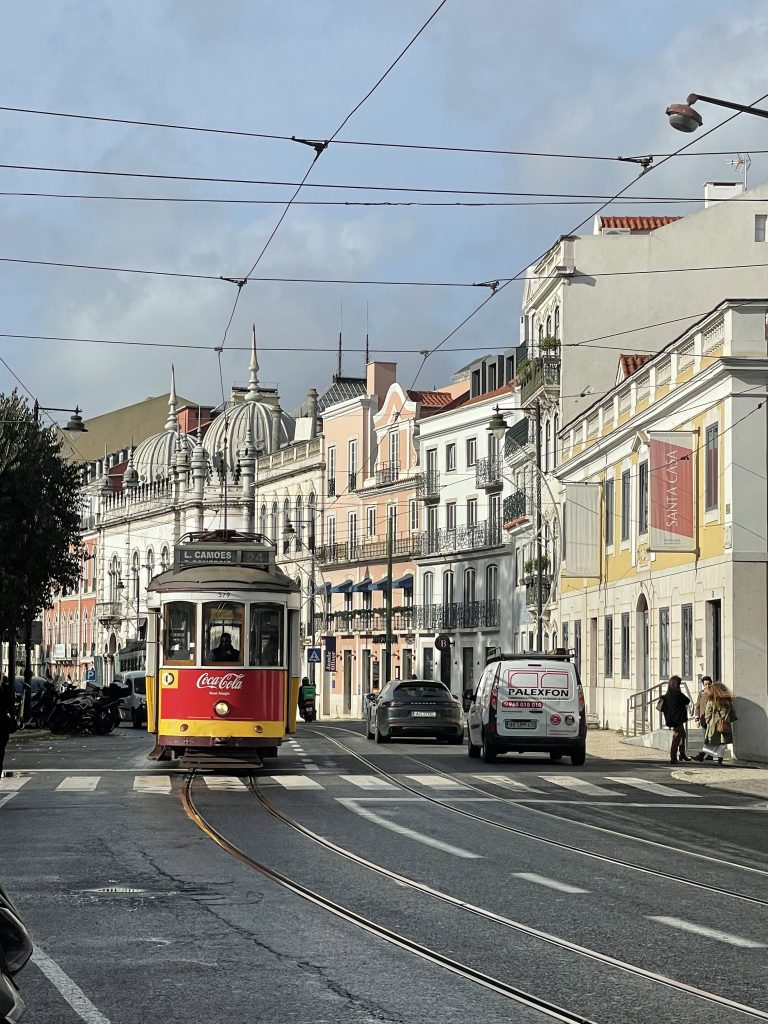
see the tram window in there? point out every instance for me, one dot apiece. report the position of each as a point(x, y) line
point(180, 622)
point(267, 634)
point(222, 633)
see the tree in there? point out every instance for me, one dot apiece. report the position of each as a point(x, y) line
point(39, 519)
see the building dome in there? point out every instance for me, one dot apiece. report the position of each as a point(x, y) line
point(156, 456)
point(251, 420)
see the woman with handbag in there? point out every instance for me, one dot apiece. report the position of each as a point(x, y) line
point(674, 706)
point(719, 716)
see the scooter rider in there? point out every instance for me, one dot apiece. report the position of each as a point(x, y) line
point(307, 696)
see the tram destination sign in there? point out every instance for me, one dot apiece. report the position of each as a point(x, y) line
point(198, 554)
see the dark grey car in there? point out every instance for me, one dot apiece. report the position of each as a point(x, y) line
point(415, 707)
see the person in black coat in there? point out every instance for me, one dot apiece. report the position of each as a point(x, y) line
point(7, 717)
point(674, 706)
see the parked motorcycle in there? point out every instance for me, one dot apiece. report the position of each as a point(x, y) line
point(71, 714)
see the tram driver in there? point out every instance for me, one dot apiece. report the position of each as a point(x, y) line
point(224, 651)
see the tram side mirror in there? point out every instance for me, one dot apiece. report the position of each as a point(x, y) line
point(466, 701)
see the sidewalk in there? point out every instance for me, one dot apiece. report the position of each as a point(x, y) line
point(732, 777)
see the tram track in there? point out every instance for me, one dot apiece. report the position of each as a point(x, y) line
point(432, 956)
point(570, 848)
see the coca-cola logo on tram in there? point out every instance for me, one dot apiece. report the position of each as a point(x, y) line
point(225, 681)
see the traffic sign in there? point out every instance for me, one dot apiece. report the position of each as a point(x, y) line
point(313, 656)
point(443, 642)
point(90, 675)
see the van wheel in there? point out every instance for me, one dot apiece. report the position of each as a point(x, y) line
point(579, 755)
point(554, 756)
point(136, 719)
point(487, 752)
point(472, 748)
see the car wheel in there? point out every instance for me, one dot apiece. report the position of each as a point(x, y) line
point(137, 719)
point(487, 751)
point(472, 748)
point(579, 755)
point(554, 756)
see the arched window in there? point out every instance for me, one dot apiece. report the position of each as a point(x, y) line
point(286, 523)
point(114, 578)
point(273, 523)
point(447, 588)
point(556, 431)
point(263, 521)
point(311, 521)
point(86, 637)
point(549, 326)
point(557, 322)
point(150, 565)
point(547, 445)
point(469, 586)
point(70, 632)
point(298, 523)
point(429, 589)
point(541, 332)
point(165, 558)
point(492, 583)
point(135, 577)
point(76, 634)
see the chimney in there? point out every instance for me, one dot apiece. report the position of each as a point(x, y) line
point(716, 191)
point(276, 421)
point(312, 411)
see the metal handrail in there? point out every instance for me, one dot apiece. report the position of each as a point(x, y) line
point(641, 709)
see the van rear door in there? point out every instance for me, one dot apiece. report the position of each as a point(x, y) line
point(539, 701)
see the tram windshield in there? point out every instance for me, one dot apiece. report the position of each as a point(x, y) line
point(266, 634)
point(179, 633)
point(222, 633)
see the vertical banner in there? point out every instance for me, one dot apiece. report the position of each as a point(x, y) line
point(330, 654)
point(582, 530)
point(673, 526)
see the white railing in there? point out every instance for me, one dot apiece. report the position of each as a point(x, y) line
point(642, 715)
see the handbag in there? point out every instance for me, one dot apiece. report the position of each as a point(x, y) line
point(660, 704)
point(722, 727)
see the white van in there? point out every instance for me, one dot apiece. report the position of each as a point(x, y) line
point(133, 707)
point(528, 702)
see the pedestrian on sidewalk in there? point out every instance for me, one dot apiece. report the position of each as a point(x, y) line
point(701, 708)
point(674, 706)
point(7, 717)
point(719, 716)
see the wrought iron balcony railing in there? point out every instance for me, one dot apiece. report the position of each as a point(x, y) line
point(461, 538)
point(531, 592)
point(515, 509)
point(108, 610)
point(489, 472)
point(428, 485)
point(373, 620)
point(387, 473)
point(362, 551)
point(352, 481)
point(542, 372)
point(331, 487)
point(463, 615)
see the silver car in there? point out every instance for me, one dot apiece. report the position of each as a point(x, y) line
point(133, 707)
point(414, 707)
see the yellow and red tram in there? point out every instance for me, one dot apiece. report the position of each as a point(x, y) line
point(222, 648)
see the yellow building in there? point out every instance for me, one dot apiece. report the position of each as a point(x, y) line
point(665, 552)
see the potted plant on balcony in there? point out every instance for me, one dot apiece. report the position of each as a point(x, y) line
point(550, 346)
point(524, 371)
point(528, 570)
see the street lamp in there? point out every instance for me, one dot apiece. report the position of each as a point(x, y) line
point(684, 118)
point(74, 425)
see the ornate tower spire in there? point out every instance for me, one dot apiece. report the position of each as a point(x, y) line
point(172, 423)
point(253, 376)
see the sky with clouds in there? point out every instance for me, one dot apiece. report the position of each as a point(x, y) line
point(554, 77)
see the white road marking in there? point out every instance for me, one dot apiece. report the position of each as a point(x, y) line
point(79, 784)
point(368, 781)
point(549, 883)
point(296, 782)
point(580, 784)
point(651, 787)
point(11, 784)
point(4, 799)
point(503, 780)
point(436, 782)
point(409, 833)
point(709, 933)
point(71, 992)
point(224, 782)
point(152, 784)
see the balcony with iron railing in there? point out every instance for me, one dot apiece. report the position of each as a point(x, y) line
point(489, 473)
point(331, 487)
point(540, 372)
point(532, 590)
point(461, 615)
point(514, 511)
point(373, 620)
point(428, 486)
point(362, 551)
point(108, 611)
point(387, 473)
point(461, 538)
point(352, 480)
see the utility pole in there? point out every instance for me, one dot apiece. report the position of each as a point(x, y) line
point(539, 572)
point(390, 547)
point(312, 611)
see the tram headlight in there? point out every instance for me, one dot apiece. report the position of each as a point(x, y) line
point(221, 708)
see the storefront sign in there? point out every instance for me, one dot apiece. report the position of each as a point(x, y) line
point(671, 479)
point(330, 654)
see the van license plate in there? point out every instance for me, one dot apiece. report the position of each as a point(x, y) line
point(424, 714)
point(524, 723)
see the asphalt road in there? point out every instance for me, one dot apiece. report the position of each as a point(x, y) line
point(611, 891)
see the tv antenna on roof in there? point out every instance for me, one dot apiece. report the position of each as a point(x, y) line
point(742, 160)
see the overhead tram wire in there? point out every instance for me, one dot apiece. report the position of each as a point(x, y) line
point(423, 147)
point(319, 147)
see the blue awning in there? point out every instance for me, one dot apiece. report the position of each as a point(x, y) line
point(342, 588)
point(381, 584)
point(362, 585)
point(404, 583)
point(324, 589)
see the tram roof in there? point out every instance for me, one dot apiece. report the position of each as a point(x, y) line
point(220, 577)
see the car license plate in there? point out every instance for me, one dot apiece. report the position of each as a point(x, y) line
point(424, 714)
point(523, 723)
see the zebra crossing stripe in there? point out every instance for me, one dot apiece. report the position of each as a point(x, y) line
point(507, 783)
point(152, 784)
point(368, 781)
point(580, 785)
point(296, 782)
point(436, 782)
point(224, 782)
point(79, 784)
point(13, 783)
point(651, 787)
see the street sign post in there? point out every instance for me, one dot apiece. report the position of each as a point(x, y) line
point(313, 656)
